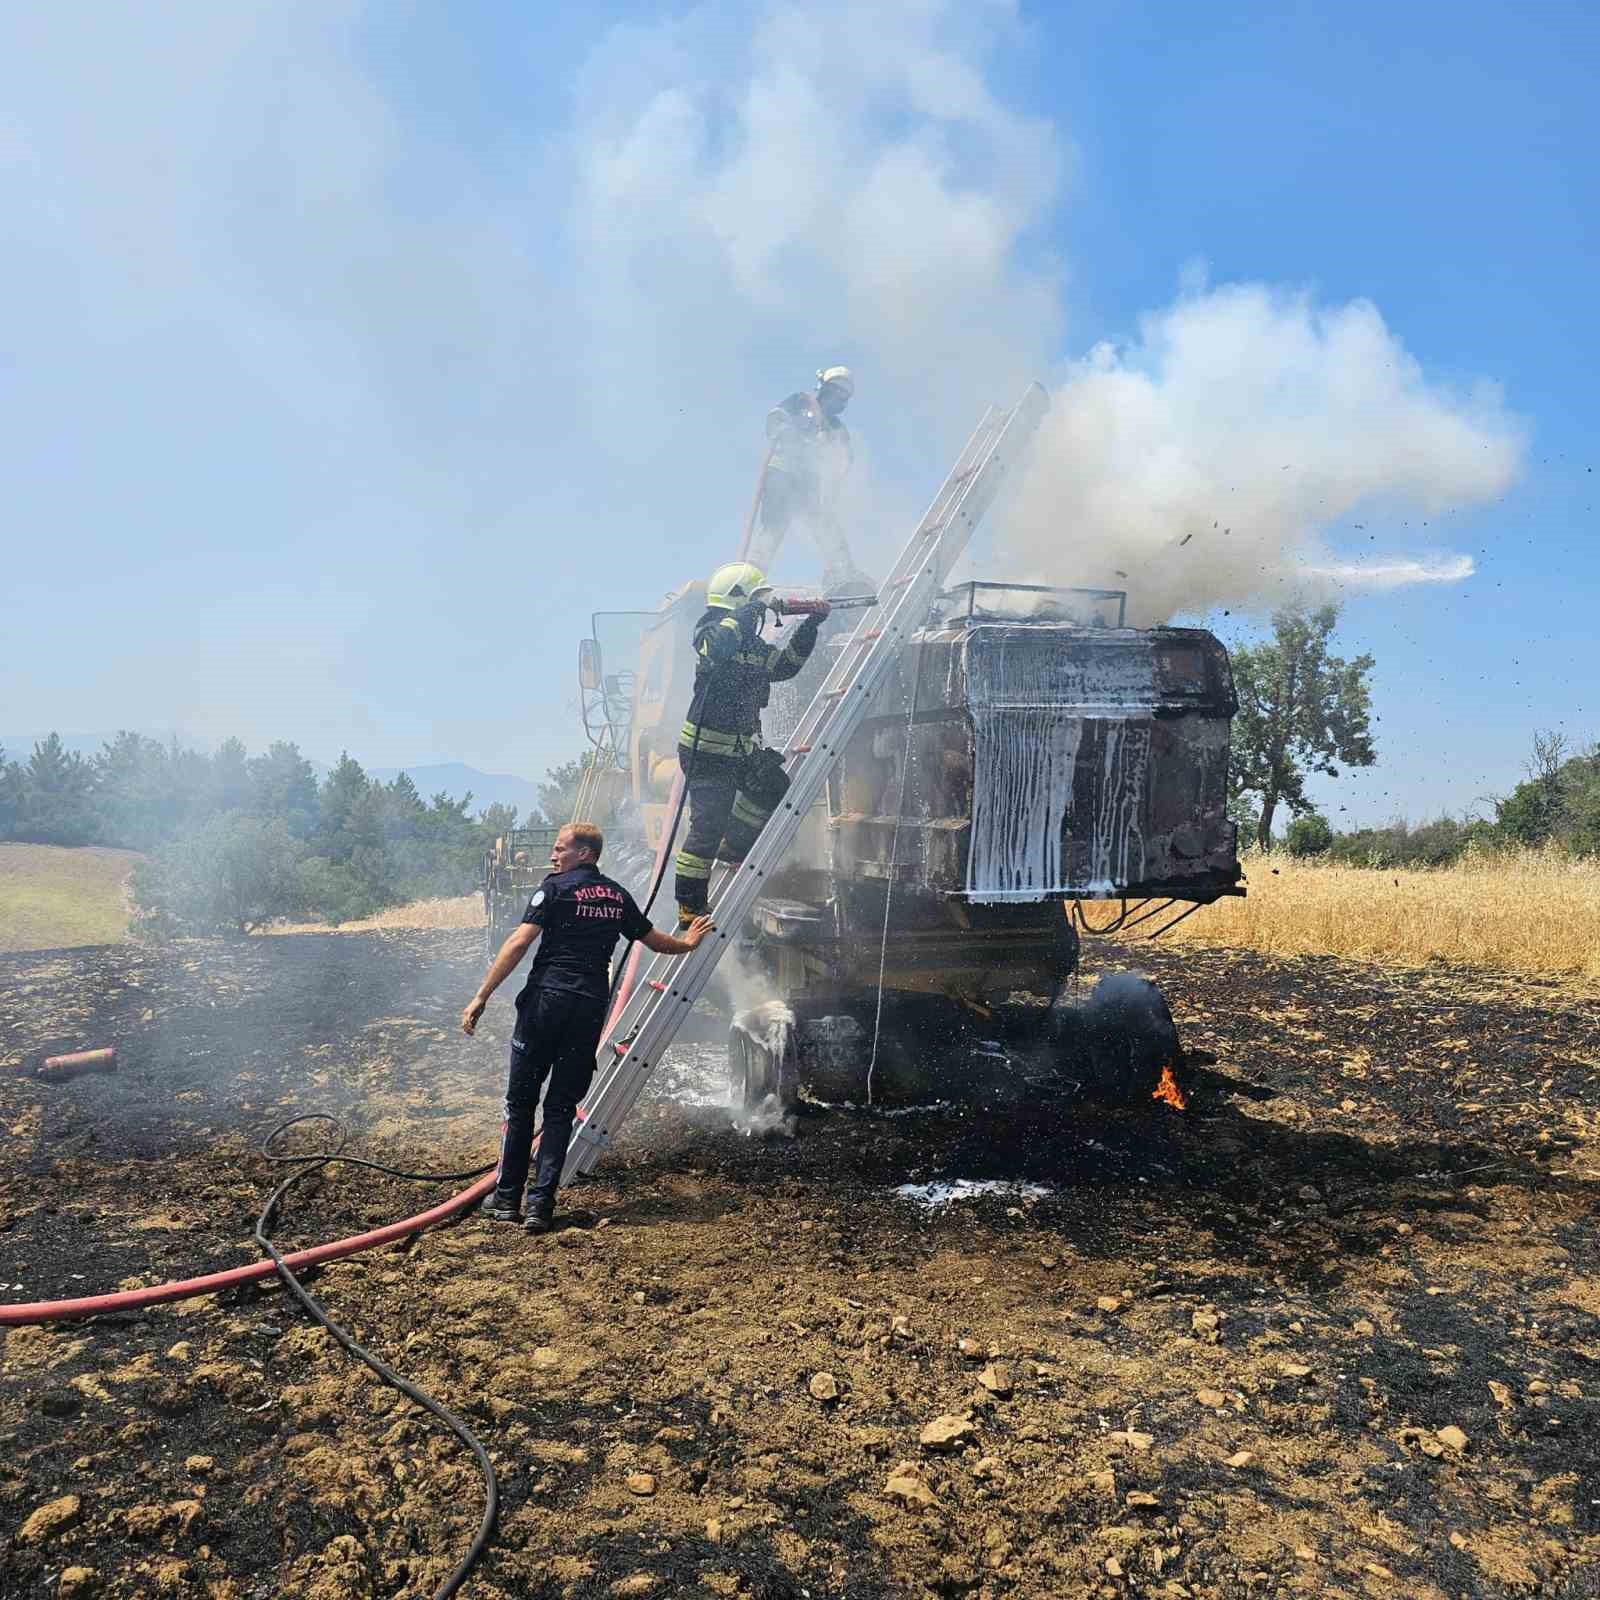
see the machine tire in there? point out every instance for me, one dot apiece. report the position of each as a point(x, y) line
point(763, 1060)
point(1128, 1036)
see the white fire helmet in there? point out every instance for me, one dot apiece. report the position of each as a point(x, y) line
point(839, 377)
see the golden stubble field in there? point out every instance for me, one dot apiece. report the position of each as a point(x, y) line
point(1533, 911)
point(52, 898)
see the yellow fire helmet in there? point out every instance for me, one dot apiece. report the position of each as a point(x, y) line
point(735, 585)
point(839, 377)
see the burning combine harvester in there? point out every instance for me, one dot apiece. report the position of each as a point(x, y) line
point(1028, 754)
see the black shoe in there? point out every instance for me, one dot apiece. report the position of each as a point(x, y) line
point(541, 1219)
point(498, 1207)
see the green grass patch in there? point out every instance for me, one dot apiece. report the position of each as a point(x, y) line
point(52, 897)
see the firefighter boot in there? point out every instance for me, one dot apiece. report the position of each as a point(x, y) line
point(501, 1207)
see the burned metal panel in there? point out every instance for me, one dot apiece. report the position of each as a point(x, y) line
point(1100, 763)
point(1046, 760)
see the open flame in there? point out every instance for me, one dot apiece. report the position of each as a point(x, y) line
point(1167, 1089)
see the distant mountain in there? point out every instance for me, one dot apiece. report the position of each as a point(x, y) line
point(456, 779)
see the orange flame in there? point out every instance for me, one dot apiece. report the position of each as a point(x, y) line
point(1167, 1089)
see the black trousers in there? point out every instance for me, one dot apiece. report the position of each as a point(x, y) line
point(556, 1036)
point(730, 799)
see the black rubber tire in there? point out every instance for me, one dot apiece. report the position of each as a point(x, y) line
point(756, 1073)
point(1128, 1036)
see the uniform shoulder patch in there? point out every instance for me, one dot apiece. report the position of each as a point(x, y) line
point(538, 898)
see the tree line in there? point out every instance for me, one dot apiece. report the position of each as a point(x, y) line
point(232, 840)
point(1305, 711)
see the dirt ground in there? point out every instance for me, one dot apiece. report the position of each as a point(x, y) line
point(1335, 1330)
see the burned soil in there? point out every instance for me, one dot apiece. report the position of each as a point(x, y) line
point(1334, 1330)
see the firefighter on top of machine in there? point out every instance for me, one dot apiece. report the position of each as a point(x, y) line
point(733, 781)
point(807, 461)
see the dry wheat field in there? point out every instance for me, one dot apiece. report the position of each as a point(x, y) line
point(1533, 911)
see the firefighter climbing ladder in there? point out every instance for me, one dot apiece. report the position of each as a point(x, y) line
point(639, 1032)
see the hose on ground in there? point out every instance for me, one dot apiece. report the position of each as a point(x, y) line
point(315, 1161)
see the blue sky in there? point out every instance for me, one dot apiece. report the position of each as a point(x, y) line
point(350, 355)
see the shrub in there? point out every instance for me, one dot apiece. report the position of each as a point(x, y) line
point(235, 873)
point(1308, 835)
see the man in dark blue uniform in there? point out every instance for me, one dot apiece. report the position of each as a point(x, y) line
point(576, 916)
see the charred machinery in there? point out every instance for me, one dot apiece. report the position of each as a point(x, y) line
point(1029, 755)
point(513, 867)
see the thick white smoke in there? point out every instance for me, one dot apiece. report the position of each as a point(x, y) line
point(844, 181)
point(1200, 466)
point(819, 184)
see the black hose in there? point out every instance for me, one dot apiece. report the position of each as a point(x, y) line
point(677, 817)
point(313, 1163)
point(1088, 927)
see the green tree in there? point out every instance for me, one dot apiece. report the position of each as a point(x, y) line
point(558, 792)
point(10, 796)
point(236, 873)
point(283, 784)
point(130, 789)
point(57, 796)
point(229, 779)
point(497, 819)
point(1532, 813)
point(1302, 710)
point(1558, 802)
point(1308, 835)
point(345, 819)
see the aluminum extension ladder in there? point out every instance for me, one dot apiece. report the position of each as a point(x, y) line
point(639, 1032)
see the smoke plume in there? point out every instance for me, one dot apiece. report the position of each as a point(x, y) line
point(1204, 464)
point(325, 358)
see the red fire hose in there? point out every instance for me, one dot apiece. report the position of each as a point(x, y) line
point(630, 967)
point(132, 1299)
point(17, 1316)
point(755, 504)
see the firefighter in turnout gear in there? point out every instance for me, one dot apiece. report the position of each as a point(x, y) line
point(734, 783)
point(808, 459)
